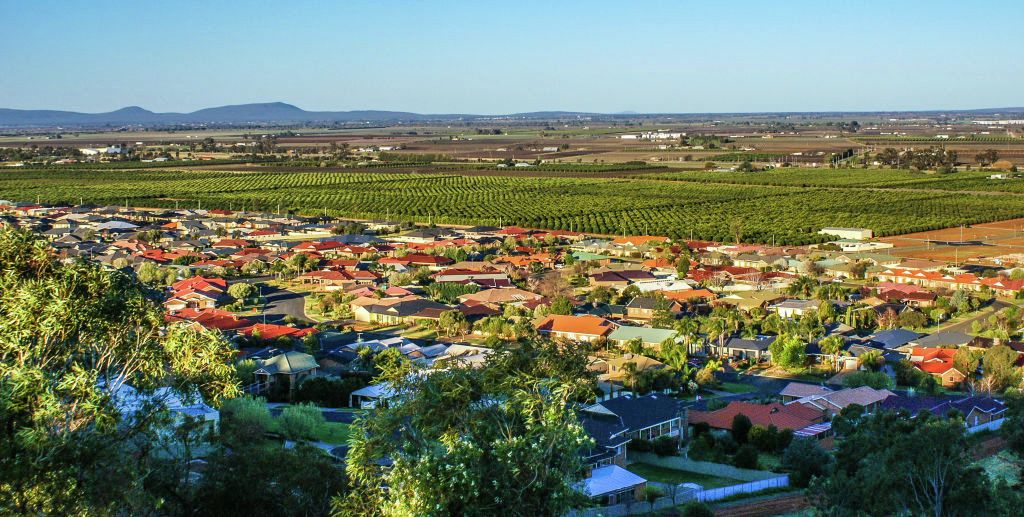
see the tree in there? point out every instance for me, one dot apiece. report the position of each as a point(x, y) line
point(71, 335)
point(453, 322)
point(561, 305)
point(517, 453)
point(913, 319)
point(301, 421)
point(802, 286)
point(245, 419)
point(894, 463)
point(300, 262)
point(832, 346)
point(998, 365)
point(241, 291)
point(740, 428)
point(875, 380)
point(804, 460)
point(872, 360)
point(682, 267)
point(987, 157)
point(746, 457)
point(966, 361)
point(254, 480)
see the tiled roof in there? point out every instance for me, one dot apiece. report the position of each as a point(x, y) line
point(585, 325)
point(793, 416)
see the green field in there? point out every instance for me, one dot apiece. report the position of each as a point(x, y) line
point(788, 214)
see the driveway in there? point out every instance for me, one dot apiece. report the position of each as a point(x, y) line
point(280, 302)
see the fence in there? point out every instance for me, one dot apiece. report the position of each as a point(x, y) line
point(993, 425)
point(681, 496)
point(721, 493)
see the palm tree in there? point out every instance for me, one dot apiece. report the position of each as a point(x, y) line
point(832, 346)
point(630, 369)
point(803, 286)
point(871, 360)
point(716, 329)
point(687, 328)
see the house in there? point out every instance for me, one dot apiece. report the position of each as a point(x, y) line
point(650, 337)
point(735, 347)
point(799, 390)
point(746, 300)
point(789, 416)
point(894, 339)
point(642, 308)
point(979, 413)
point(832, 403)
point(610, 436)
point(501, 296)
point(616, 368)
point(620, 278)
point(289, 367)
point(482, 276)
point(646, 417)
point(943, 339)
point(612, 484)
point(575, 328)
point(937, 362)
point(790, 308)
point(848, 233)
point(392, 311)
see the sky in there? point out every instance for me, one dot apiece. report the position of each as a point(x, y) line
point(499, 56)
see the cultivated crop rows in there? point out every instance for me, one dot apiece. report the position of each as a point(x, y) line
point(787, 214)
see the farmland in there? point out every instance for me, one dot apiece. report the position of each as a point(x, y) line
point(610, 205)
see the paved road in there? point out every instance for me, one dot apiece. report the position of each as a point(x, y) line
point(280, 302)
point(965, 326)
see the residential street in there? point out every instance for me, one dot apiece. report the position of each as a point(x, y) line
point(965, 326)
point(280, 302)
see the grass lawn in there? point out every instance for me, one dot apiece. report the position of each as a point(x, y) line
point(334, 433)
point(421, 333)
point(675, 477)
point(736, 387)
point(1002, 466)
point(768, 461)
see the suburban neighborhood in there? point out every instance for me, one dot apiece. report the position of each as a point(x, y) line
point(697, 353)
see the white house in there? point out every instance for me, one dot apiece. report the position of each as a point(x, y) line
point(848, 233)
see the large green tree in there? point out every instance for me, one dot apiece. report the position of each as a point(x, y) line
point(897, 464)
point(71, 335)
point(471, 441)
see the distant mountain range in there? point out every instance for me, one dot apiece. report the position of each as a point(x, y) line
point(279, 112)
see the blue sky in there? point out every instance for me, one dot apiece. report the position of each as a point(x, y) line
point(513, 56)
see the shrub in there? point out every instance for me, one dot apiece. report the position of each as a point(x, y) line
point(665, 446)
point(876, 380)
point(740, 428)
point(301, 422)
point(783, 439)
point(697, 509)
point(761, 438)
point(804, 460)
point(700, 428)
point(640, 445)
point(244, 419)
point(746, 457)
point(326, 392)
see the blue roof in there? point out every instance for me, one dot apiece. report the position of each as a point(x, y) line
point(894, 338)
